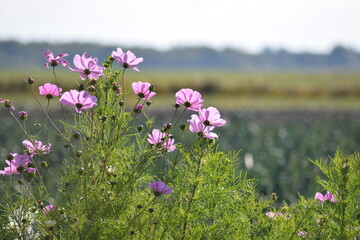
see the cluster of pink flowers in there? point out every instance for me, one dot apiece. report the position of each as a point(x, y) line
point(89, 68)
point(207, 118)
point(18, 163)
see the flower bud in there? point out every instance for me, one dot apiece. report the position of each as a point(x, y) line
point(76, 134)
point(138, 109)
point(148, 103)
point(151, 88)
point(78, 153)
point(81, 87)
point(10, 157)
point(183, 127)
point(22, 115)
point(176, 105)
point(30, 80)
point(115, 86)
point(91, 88)
point(121, 103)
point(80, 171)
point(103, 118)
point(93, 82)
point(140, 128)
point(44, 164)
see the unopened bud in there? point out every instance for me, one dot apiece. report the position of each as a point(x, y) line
point(80, 171)
point(93, 82)
point(140, 128)
point(30, 80)
point(81, 87)
point(44, 164)
point(115, 86)
point(76, 134)
point(78, 153)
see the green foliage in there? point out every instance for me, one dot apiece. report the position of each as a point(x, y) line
point(108, 165)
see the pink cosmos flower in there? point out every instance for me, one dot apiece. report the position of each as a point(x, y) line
point(18, 165)
point(37, 147)
point(143, 90)
point(87, 67)
point(81, 100)
point(7, 104)
point(189, 98)
point(210, 117)
point(159, 188)
point(127, 60)
point(161, 140)
point(50, 90)
point(54, 61)
point(196, 126)
point(47, 209)
point(327, 197)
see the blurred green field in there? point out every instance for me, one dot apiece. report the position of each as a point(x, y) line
point(224, 89)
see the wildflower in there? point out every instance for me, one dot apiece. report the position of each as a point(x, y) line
point(81, 100)
point(7, 104)
point(302, 234)
point(37, 147)
point(47, 209)
point(50, 90)
point(327, 197)
point(22, 115)
point(127, 60)
point(18, 165)
point(210, 117)
point(189, 98)
point(161, 140)
point(196, 126)
point(138, 108)
point(54, 61)
point(159, 188)
point(87, 67)
point(143, 90)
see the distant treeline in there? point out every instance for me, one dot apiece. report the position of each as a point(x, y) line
point(16, 55)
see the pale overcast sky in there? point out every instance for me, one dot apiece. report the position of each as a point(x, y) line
point(312, 25)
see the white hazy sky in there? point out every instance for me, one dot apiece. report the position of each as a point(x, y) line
point(311, 25)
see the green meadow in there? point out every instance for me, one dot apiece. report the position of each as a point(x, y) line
point(228, 90)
